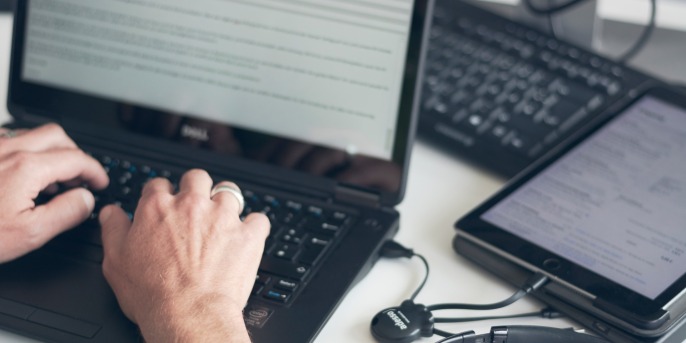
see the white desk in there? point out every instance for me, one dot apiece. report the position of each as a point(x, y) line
point(440, 190)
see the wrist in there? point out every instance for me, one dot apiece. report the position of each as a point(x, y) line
point(207, 319)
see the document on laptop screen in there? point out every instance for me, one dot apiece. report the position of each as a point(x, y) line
point(329, 73)
point(615, 203)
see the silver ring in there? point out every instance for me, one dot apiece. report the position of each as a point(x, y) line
point(8, 134)
point(236, 193)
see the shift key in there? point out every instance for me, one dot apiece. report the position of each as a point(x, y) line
point(284, 268)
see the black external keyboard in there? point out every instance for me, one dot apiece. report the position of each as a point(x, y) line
point(501, 94)
point(302, 232)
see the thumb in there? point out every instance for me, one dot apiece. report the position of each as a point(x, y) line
point(63, 212)
point(115, 226)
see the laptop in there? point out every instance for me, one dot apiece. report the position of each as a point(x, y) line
point(309, 106)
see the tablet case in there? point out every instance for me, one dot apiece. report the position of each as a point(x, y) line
point(517, 275)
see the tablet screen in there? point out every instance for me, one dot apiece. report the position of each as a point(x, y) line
point(616, 203)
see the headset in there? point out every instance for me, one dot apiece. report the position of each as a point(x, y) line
point(410, 321)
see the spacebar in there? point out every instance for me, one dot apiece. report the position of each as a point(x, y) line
point(284, 268)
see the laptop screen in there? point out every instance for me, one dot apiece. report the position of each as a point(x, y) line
point(306, 85)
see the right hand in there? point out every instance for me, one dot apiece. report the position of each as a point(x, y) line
point(184, 268)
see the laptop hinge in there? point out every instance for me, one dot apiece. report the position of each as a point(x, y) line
point(356, 196)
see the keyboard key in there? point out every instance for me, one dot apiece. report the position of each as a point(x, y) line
point(310, 255)
point(278, 295)
point(284, 268)
point(286, 285)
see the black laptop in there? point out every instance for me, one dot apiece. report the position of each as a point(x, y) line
point(309, 106)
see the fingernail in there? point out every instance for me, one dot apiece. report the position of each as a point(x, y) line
point(88, 200)
point(105, 214)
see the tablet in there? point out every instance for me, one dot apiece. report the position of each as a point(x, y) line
point(604, 216)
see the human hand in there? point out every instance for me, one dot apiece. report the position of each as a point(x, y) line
point(184, 269)
point(34, 161)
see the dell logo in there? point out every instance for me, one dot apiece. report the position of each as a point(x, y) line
point(197, 133)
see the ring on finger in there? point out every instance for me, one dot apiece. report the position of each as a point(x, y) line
point(230, 189)
point(8, 134)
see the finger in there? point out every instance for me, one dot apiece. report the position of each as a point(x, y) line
point(46, 137)
point(196, 181)
point(63, 212)
point(228, 195)
point(258, 224)
point(157, 185)
point(45, 168)
point(115, 226)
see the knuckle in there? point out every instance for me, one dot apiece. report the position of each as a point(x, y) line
point(193, 201)
point(23, 161)
point(156, 202)
point(54, 129)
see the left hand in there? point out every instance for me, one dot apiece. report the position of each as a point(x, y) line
point(30, 163)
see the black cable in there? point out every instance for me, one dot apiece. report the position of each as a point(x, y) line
point(544, 313)
point(393, 249)
point(533, 283)
point(645, 36)
point(426, 277)
point(551, 26)
point(551, 21)
point(551, 9)
point(443, 333)
point(518, 295)
point(624, 58)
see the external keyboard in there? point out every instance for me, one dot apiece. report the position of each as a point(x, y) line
point(501, 94)
point(302, 232)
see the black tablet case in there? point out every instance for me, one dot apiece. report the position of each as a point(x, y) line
point(517, 275)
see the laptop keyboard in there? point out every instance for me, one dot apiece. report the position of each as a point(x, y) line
point(302, 232)
point(502, 94)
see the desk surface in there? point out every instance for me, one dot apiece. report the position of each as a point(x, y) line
point(440, 190)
